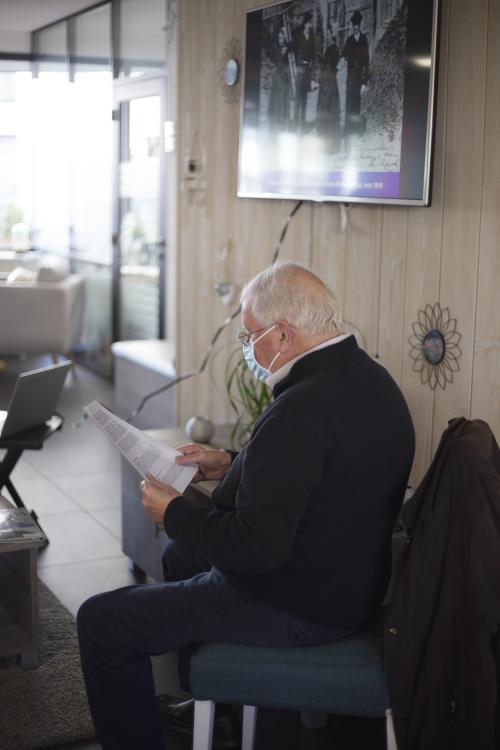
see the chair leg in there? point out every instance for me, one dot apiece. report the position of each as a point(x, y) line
point(390, 733)
point(313, 719)
point(249, 721)
point(203, 725)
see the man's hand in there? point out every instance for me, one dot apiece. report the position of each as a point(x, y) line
point(212, 464)
point(156, 497)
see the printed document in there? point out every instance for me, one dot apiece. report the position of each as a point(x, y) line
point(146, 455)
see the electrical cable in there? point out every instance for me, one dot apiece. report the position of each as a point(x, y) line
point(226, 322)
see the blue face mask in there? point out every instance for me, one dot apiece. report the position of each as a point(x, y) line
point(261, 373)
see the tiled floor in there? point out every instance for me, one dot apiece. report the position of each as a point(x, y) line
point(73, 484)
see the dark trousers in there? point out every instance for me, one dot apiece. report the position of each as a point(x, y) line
point(119, 631)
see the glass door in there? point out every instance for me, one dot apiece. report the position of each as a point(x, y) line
point(139, 226)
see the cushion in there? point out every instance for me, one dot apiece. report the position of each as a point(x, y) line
point(51, 273)
point(19, 273)
point(345, 677)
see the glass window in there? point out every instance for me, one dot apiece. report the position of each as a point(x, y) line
point(72, 165)
point(142, 37)
point(92, 39)
point(139, 187)
point(51, 47)
point(16, 144)
point(92, 180)
point(51, 97)
point(91, 170)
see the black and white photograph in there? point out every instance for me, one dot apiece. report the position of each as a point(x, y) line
point(326, 86)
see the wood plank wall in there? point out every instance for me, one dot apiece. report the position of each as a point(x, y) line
point(388, 263)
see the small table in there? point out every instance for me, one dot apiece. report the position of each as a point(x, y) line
point(32, 439)
point(19, 586)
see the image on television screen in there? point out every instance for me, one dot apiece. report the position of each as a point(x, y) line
point(338, 101)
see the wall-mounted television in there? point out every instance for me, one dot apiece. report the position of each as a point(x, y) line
point(338, 101)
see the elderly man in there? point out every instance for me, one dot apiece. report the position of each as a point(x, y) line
point(297, 546)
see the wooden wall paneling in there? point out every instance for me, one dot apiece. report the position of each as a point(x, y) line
point(196, 239)
point(171, 203)
point(329, 247)
point(391, 342)
point(462, 194)
point(255, 234)
point(450, 251)
point(187, 64)
point(485, 403)
point(423, 261)
point(362, 271)
point(222, 208)
point(262, 223)
point(220, 234)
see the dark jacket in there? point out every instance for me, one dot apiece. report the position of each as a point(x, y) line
point(442, 628)
point(357, 55)
point(303, 519)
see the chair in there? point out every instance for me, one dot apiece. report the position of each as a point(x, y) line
point(345, 677)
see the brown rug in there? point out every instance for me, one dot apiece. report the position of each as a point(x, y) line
point(47, 706)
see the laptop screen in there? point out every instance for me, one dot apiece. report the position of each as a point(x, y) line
point(34, 398)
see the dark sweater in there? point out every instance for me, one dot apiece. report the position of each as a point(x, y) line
point(304, 517)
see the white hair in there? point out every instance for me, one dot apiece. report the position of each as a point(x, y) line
point(288, 291)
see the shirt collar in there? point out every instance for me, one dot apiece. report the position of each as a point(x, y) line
point(276, 377)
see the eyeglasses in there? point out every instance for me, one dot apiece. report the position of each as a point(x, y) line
point(246, 336)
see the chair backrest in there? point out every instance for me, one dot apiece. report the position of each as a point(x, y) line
point(52, 309)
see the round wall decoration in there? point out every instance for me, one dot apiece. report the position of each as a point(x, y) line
point(229, 71)
point(434, 346)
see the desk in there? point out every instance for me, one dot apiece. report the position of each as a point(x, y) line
point(144, 541)
point(32, 439)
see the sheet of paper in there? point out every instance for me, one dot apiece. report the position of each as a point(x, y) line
point(146, 455)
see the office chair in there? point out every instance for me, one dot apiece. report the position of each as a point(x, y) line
point(345, 677)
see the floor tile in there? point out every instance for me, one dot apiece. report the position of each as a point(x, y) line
point(67, 457)
point(23, 469)
point(43, 496)
point(75, 537)
point(75, 582)
point(97, 488)
point(110, 518)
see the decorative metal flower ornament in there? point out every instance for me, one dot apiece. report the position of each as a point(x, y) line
point(434, 346)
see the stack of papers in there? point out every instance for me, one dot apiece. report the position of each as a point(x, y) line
point(147, 456)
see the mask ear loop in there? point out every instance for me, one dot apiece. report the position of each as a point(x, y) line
point(273, 361)
point(277, 353)
point(264, 334)
point(257, 340)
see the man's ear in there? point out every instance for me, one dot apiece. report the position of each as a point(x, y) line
point(287, 336)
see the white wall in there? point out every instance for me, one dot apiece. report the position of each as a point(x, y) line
point(15, 41)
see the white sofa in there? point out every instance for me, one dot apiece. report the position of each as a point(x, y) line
point(41, 317)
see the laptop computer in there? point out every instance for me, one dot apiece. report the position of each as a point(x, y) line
point(34, 399)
